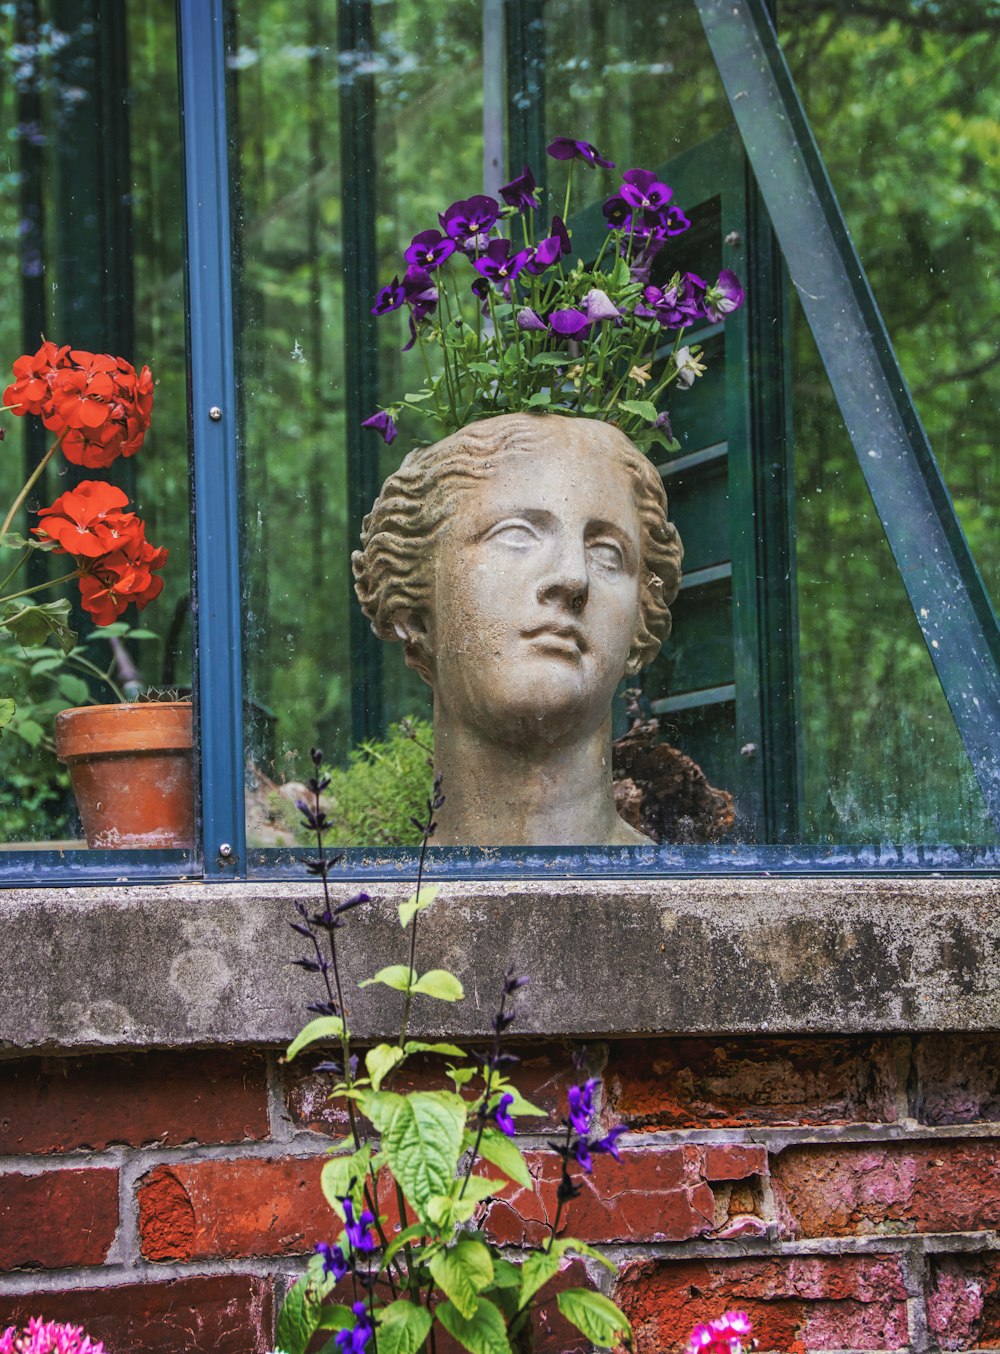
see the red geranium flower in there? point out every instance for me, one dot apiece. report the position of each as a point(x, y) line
point(122, 576)
point(31, 391)
point(87, 521)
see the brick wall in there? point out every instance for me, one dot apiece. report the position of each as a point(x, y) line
point(844, 1191)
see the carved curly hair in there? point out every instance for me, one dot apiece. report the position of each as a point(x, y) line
point(391, 572)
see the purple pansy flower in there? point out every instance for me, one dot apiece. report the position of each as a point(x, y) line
point(503, 1120)
point(419, 292)
point(498, 266)
point(642, 189)
point(569, 323)
point(617, 213)
point(725, 297)
point(429, 249)
point(555, 246)
point(389, 297)
point(530, 319)
point(674, 222)
point(581, 1105)
point(334, 1263)
point(520, 192)
point(384, 423)
point(472, 216)
point(565, 148)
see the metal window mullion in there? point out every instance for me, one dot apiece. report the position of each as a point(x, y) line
point(937, 568)
point(212, 390)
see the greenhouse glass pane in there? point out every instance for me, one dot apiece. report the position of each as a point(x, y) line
point(91, 253)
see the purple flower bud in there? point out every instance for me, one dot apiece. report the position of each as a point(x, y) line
point(569, 323)
point(609, 1143)
point(520, 192)
point(334, 1263)
point(565, 148)
point(503, 1120)
point(725, 297)
point(599, 306)
point(581, 1105)
point(384, 423)
point(529, 319)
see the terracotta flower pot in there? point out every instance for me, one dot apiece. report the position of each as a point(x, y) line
point(132, 772)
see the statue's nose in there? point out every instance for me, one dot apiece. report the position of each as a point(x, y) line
point(567, 582)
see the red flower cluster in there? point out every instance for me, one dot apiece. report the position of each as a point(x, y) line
point(727, 1334)
point(98, 405)
point(115, 562)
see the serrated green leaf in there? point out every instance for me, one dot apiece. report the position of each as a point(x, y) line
point(521, 1106)
point(412, 1233)
point(483, 1333)
point(505, 1273)
point(7, 708)
point(462, 1272)
point(424, 1140)
point(381, 1107)
point(298, 1319)
point(498, 1149)
point(538, 1268)
point(641, 409)
point(549, 360)
point(32, 625)
point(595, 1315)
point(75, 689)
point(409, 909)
point(380, 1061)
point(481, 1187)
point(335, 1316)
point(450, 1050)
point(439, 984)
point(403, 1327)
point(461, 1076)
point(323, 1027)
point(341, 1176)
point(396, 976)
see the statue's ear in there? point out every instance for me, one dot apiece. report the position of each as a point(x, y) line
point(412, 634)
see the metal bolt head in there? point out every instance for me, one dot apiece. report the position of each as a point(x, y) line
point(215, 413)
point(225, 850)
point(748, 750)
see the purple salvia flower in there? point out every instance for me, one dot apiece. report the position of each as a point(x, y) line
point(581, 1151)
point(429, 249)
point(472, 216)
point(384, 423)
point(581, 1105)
point(530, 320)
point(725, 297)
point(389, 297)
point(565, 148)
point(609, 1144)
point(598, 306)
point(503, 1120)
point(334, 1263)
point(642, 189)
point(520, 192)
point(354, 1339)
point(359, 1233)
point(569, 323)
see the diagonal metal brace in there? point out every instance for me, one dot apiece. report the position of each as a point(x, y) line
point(931, 552)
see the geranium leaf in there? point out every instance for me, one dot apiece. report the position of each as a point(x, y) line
point(323, 1027)
point(32, 625)
point(483, 1333)
point(439, 984)
point(641, 408)
point(595, 1315)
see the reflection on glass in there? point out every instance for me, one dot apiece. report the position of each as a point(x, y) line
point(90, 208)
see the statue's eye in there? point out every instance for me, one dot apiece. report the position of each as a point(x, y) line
point(515, 535)
point(606, 554)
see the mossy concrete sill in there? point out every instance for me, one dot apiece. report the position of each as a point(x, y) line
point(199, 964)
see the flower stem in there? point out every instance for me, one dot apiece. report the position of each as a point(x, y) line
point(39, 587)
point(14, 570)
point(32, 480)
point(79, 661)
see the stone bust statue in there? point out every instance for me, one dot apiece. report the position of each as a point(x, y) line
point(526, 565)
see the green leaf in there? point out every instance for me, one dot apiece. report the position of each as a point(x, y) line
point(537, 1270)
point(31, 731)
point(341, 1176)
point(49, 661)
point(450, 1050)
point(7, 708)
point(481, 1187)
point(462, 1272)
point(396, 976)
point(424, 1140)
point(409, 909)
point(595, 1315)
point(498, 1149)
point(521, 1106)
point(12, 541)
point(412, 1233)
point(641, 408)
point(570, 1243)
point(380, 1061)
point(298, 1319)
point(323, 1027)
point(403, 1327)
point(335, 1316)
point(32, 625)
point(505, 1274)
point(440, 984)
point(549, 360)
point(140, 633)
point(484, 1333)
point(381, 1107)
point(461, 1076)
point(540, 397)
point(75, 689)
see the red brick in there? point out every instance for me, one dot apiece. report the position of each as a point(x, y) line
point(236, 1208)
point(709, 1083)
point(733, 1160)
point(650, 1195)
point(230, 1314)
point(57, 1219)
point(817, 1303)
point(543, 1076)
point(900, 1188)
point(958, 1078)
point(63, 1104)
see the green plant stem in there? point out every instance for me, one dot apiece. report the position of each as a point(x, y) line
point(79, 661)
point(32, 480)
point(569, 185)
point(39, 587)
point(17, 566)
point(413, 932)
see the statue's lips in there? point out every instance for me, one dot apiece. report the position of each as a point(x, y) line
point(567, 640)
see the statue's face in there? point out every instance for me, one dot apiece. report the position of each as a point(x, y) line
point(536, 596)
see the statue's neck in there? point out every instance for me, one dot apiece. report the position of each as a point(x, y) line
point(499, 794)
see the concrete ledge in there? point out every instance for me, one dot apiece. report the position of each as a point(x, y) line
point(195, 964)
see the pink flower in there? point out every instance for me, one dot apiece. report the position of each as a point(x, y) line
point(728, 1334)
point(48, 1337)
